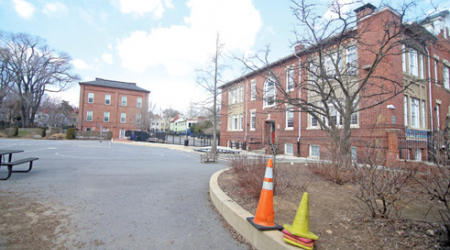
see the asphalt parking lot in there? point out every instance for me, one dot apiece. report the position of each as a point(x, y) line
point(122, 196)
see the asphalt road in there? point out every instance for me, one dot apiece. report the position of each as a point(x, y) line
point(122, 195)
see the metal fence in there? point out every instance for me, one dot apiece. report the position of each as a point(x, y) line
point(191, 140)
point(420, 145)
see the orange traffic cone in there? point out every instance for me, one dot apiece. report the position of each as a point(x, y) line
point(264, 218)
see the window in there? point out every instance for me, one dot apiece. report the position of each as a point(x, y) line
point(252, 120)
point(124, 101)
point(139, 119)
point(313, 71)
point(269, 93)
point(422, 70)
point(90, 97)
point(253, 90)
point(314, 122)
point(229, 122)
point(242, 94)
point(436, 71)
point(139, 102)
point(405, 110)
point(446, 78)
point(413, 69)
point(289, 117)
point(354, 119)
point(415, 123)
point(289, 149)
point(89, 116)
point(235, 122)
point(403, 58)
point(330, 64)
point(235, 95)
point(106, 117)
point(438, 114)
point(353, 153)
point(418, 156)
point(242, 122)
point(107, 99)
point(289, 79)
point(423, 117)
point(351, 60)
point(123, 118)
point(314, 151)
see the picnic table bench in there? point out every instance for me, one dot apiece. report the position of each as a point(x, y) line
point(209, 156)
point(9, 164)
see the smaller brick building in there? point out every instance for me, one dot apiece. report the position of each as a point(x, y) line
point(112, 106)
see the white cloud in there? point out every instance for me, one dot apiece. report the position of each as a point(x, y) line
point(107, 58)
point(24, 8)
point(181, 49)
point(80, 64)
point(55, 8)
point(142, 7)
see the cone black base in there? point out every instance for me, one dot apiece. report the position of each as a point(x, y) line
point(264, 228)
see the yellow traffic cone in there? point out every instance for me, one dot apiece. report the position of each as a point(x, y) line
point(300, 226)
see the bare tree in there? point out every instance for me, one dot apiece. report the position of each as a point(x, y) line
point(209, 79)
point(335, 85)
point(36, 69)
point(6, 77)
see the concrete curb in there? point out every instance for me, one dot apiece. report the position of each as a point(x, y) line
point(236, 216)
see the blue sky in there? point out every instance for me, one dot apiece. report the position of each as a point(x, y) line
point(157, 44)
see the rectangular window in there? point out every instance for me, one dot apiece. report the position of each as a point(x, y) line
point(289, 117)
point(269, 93)
point(405, 111)
point(235, 122)
point(422, 70)
point(314, 151)
point(89, 116)
point(423, 116)
point(253, 90)
point(289, 149)
point(418, 156)
point(413, 69)
point(229, 122)
point(414, 103)
point(351, 60)
point(446, 78)
point(242, 94)
point(403, 58)
point(124, 101)
point(139, 119)
point(436, 71)
point(289, 79)
point(438, 118)
point(313, 71)
point(252, 120)
point(314, 122)
point(229, 96)
point(107, 99)
point(123, 118)
point(354, 119)
point(90, 97)
point(242, 122)
point(139, 102)
point(106, 117)
point(353, 153)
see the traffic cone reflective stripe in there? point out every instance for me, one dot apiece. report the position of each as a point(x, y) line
point(264, 218)
point(300, 226)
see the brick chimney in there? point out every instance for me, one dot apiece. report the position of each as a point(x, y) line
point(299, 47)
point(364, 10)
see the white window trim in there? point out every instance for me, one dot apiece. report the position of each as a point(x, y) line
point(286, 147)
point(124, 117)
point(139, 103)
point(124, 101)
point(253, 90)
point(446, 77)
point(414, 107)
point(351, 64)
point(252, 114)
point(106, 115)
point(108, 99)
point(311, 150)
point(290, 78)
point(88, 101)
point(265, 105)
point(87, 116)
point(289, 109)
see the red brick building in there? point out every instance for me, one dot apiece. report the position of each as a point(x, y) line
point(401, 127)
point(112, 106)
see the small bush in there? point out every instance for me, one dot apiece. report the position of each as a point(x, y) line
point(250, 172)
point(43, 131)
point(70, 134)
point(15, 131)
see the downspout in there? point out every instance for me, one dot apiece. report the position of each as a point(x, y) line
point(429, 87)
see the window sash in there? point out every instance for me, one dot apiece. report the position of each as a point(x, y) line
point(314, 151)
point(253, 90)
point(124, 101)
point(107, 99)
point(289, 148)
point(235, 122)
point(289, 117)
point(414, 112)
point(290, 79)
point(413, 69)
point(89, 116)
point(139, 103)
point(446, 78)
point(351, 60)
point(106, 116)
point(123, 118)
point(241, 122)
point(253, 120)
point(90, 97)
point(269, 92)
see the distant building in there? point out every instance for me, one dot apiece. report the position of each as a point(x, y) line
point(112, 106)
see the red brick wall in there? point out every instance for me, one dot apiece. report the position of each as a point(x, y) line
point(115, 109)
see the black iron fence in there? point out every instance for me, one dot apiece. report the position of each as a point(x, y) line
point(422, 145)
point(191, 140)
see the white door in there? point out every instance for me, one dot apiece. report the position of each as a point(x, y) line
point(122, 134)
